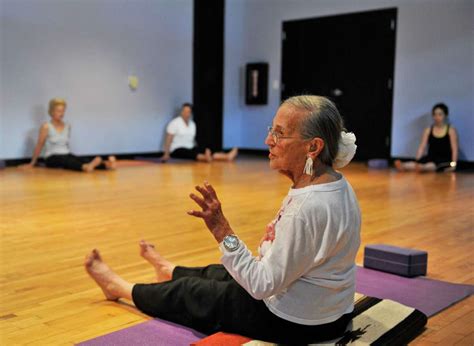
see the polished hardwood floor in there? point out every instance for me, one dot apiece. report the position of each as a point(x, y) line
point(51, 218)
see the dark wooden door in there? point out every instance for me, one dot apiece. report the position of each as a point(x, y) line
point(350, 59)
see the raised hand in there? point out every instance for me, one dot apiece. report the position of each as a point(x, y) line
point(211, 211)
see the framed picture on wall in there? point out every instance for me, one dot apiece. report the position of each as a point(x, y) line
point(256, 88)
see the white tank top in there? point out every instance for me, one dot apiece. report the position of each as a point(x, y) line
point(57, 143)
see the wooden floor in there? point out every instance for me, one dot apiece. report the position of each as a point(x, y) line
point(51, 218)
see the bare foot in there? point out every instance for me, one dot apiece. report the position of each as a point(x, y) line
point(208, 155)
point(111, 162)
point(426, 167)
point(26, 166)
point(231, 155)
point(449, 169)
point(399, 165)
point(113, 286)
point(89, 167)
point(163, 268)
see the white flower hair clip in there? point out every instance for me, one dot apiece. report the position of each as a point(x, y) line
point(346, 149)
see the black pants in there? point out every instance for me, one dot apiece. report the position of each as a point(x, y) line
point(68, 161)
point(184, 153)
point(440, 162)
point(209, 300)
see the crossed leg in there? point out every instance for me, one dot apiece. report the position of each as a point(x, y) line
point(414, 166)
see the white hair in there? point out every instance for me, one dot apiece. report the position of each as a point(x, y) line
point(324, 121)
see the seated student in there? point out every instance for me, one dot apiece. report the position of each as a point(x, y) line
point(300, 288)
point(54, 137)
point(180, 142)
point(442, 141)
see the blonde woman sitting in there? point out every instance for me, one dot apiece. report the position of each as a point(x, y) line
point(54, 138)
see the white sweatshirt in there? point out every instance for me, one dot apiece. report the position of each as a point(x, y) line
point(306, 274)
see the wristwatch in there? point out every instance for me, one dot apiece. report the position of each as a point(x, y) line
point(231, 242)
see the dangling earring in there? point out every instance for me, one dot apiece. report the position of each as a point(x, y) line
point(308, 168)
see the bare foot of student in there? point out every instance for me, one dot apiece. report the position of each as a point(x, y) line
point(399, 165)
point(231, 155)
point(163, 268)
point(89, 167)
point(206, 157)
point(113, 286)
point(26, 166)
point(426, 167)
point(418, 168)
point(449, 169)
point(111, 162)
point(208, 154)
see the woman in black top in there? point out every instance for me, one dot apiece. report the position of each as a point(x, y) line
point(442, 141)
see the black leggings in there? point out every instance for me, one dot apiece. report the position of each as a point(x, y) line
point(68, 161)
point(440, 162)
point(185, 153)
point(209, 300)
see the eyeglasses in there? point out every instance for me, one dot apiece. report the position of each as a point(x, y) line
point(275, 135)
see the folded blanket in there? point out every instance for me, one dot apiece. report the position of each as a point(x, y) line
point(375, 322)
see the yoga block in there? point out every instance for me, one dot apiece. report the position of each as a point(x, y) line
point(396, 260)
point(377, 163)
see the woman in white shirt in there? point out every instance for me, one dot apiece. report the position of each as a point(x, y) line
point(54, 139)
point(300, 288)
point(180, 141)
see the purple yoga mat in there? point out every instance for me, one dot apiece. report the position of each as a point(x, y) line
point(428, 296)
point(154, 332)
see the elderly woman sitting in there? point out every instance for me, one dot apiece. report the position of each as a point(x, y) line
point(301, 286)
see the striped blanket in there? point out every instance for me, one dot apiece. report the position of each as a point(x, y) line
point(375, 322)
